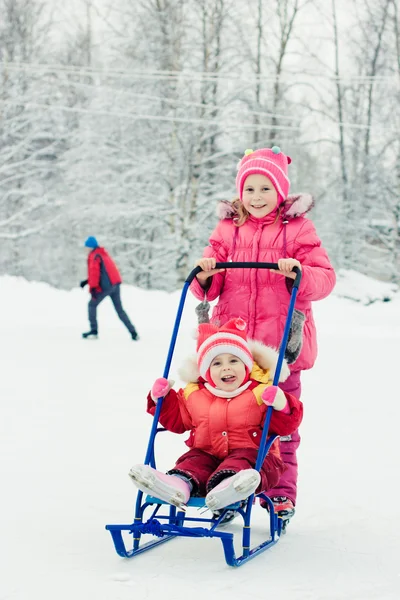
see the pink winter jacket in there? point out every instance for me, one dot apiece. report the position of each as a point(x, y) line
point(260, 296)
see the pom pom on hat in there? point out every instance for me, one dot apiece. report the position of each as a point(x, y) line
point(229, 339)
point(270, 162)
point(240, 324)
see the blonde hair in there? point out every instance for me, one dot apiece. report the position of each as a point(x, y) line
point(243, 214)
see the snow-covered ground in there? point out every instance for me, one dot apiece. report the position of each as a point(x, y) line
point(74, 421)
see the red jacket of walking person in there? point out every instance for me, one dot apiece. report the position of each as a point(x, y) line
point(102, 270)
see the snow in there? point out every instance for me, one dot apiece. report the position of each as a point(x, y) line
point(361, 288)
point(74, 421)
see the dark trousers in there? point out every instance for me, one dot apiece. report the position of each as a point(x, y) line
point(115, 294)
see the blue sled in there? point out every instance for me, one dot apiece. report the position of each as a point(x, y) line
point(176, 522)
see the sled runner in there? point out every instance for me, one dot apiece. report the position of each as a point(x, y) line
point(164, 521)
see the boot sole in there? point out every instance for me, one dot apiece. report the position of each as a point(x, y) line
point(147, 482)
point(239, 489)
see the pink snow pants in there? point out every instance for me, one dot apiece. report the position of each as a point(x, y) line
point(287, 485)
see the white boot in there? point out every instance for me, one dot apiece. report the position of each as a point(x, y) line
point(169, 488)
point(233, 489)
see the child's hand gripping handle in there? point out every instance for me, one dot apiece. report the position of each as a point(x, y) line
point(273, 396)
point(221, 266)
point(160, 388)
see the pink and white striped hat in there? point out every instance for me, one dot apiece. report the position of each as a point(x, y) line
point(229, 339)
point(270, 162)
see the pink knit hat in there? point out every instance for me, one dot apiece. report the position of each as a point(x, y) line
point(270, 162)
point(230, 339)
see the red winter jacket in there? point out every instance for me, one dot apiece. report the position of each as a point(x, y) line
point(219, 425)
point(102, 271)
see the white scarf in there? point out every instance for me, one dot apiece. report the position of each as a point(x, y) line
point(223, 394)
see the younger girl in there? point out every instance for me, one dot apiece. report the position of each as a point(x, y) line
point(224, 408)
point(266, 225)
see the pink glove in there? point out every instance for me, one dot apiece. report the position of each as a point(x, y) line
point(273, 396)
point(160, 388)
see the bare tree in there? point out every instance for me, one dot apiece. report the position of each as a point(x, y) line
point(26, 148)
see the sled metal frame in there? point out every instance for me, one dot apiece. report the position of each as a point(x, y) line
point(167, 526)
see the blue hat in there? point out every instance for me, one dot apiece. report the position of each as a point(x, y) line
point(91, 242)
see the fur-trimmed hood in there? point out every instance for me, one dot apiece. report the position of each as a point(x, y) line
point(264, 356)
point(295, 205)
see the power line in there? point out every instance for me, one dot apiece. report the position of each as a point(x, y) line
point(159, 75)
point(166, 99)
point(221, 123)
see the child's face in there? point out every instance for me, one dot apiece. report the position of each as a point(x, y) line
point(259, 195)
point(227, 372)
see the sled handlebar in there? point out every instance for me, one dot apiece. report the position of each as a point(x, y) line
point(246, 265)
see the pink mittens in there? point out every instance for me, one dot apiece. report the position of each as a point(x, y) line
point(273, 396)
point(160, 388)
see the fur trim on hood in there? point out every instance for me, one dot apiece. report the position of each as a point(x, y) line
point(297, 205)
point(265, 356)
point(226, 210)
point(294, 206)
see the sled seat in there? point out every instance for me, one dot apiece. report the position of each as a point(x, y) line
point(196, 502)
